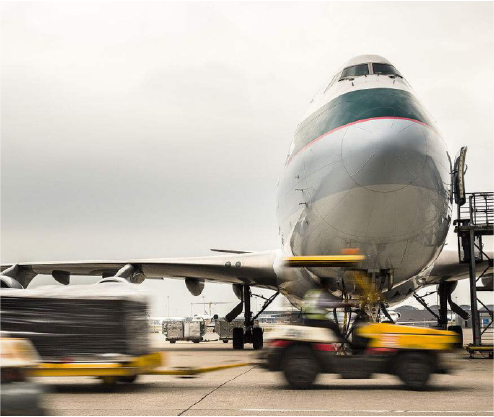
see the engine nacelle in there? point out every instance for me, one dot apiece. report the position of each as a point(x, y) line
point(7, 282)
point(113, 280)
point(194, 285)
point(129, 273)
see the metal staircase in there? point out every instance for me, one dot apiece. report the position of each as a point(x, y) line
point(475, 220)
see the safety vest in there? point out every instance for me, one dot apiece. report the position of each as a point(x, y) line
point(311, 305)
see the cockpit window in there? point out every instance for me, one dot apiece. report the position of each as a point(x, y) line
point(355, 71)
point(385, 69)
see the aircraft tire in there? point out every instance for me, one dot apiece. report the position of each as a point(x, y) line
point(300, 367)
point(172, 341)
point(459, 331)
point(414, 369)
point(257, 338)
point(238, 338)
point(225, 340)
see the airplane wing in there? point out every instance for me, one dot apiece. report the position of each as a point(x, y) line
point(256, 268)
point(448, 268)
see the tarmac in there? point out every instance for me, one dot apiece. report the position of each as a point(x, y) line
point(253, 391)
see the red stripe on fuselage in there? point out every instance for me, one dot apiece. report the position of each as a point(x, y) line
point(354, 123)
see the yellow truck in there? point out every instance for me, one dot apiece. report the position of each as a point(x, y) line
point(411, 353)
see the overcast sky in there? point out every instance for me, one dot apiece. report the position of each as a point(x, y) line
point(156, 129)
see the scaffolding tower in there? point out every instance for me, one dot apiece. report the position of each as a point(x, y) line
point(475, 220)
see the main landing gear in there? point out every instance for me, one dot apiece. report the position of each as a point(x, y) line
point(444, 290)
point(248, 333)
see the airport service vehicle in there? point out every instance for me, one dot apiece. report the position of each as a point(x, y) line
point(411, 353)
point(193, 330)
point(333, 194)
point(20, 395)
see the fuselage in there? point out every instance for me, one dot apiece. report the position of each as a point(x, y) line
point(367, 169)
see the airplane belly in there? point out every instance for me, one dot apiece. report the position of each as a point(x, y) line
point(380, 185)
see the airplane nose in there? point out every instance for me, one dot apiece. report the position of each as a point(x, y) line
point(385, 156)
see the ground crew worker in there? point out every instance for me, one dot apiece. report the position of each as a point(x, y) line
point(315, 305)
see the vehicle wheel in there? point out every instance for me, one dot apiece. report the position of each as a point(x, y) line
point(225, 340)
point(128, 379)
point(414, 369)
point(172, 341)
point(196, 341)
point(257, 338)
point(459, 331)
point(238, 338)
point(300, 367)
point(109, 381)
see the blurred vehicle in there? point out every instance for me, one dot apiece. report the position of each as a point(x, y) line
point(19, 395)
point(411, 353)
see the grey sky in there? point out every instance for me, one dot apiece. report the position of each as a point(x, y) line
point(154, 129)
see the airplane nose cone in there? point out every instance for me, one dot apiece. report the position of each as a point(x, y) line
point(384, 156)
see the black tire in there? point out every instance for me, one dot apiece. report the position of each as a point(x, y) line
point(300, 367)
point(414, 369)
point(195, 341)
point(238, 338)
point(257, 338)
point(459, 331)
point(225, 340)
point(128, 379)
point(172, 341)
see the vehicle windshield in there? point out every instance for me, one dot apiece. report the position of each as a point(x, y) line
point(355, 71)
point(385, 69)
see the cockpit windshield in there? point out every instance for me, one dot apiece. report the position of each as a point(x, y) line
point(355, 71)
point(385, 69)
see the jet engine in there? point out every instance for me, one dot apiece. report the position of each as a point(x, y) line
point(194, 285)
point(16, 276)
point(113, 280)
point(127, 274)
point(7, 282)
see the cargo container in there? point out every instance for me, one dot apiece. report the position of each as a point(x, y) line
point(188, 330)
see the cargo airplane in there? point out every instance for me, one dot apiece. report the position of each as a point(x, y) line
point(367, 168)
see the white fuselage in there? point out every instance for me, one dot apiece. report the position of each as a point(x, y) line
point(367, 169)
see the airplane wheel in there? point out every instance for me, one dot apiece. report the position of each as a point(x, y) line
point(300, 367)
point(459, 331)
point(172, 341)
point(257, 338)
point(225, 340)
point(238, 338)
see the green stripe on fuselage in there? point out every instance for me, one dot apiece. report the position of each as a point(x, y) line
point(359, 105)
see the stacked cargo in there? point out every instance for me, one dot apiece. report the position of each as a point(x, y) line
point(78, 323)
point(190, 330)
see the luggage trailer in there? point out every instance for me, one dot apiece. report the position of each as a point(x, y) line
point(126, 371)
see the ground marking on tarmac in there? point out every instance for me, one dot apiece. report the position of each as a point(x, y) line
point(298, 410)
point(213, 390)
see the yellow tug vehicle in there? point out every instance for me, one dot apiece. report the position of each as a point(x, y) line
point(411, 353)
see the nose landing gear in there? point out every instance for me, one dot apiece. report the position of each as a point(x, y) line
point(249, 333)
